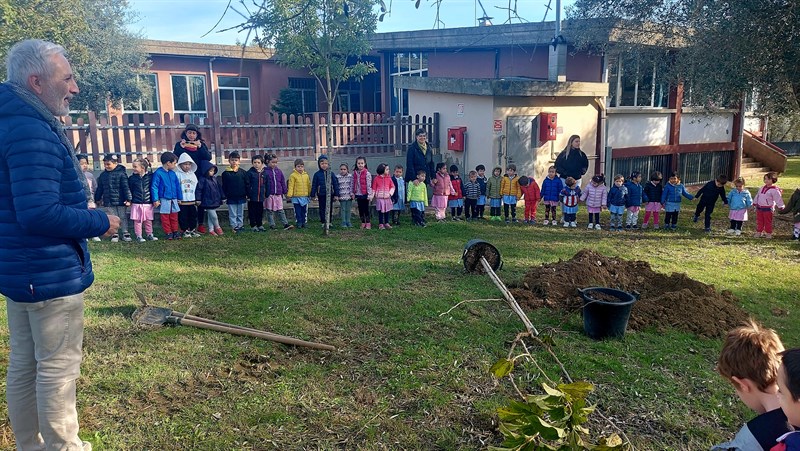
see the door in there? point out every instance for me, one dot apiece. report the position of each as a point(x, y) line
point(518, 145)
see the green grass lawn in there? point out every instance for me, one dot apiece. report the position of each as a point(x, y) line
point(403, 377)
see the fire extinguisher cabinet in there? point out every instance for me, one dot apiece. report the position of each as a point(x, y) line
point(456, 138)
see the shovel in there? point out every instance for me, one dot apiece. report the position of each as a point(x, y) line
point(159, 316)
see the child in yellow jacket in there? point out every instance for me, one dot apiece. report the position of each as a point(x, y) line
point(299, 191)
point(509, 189)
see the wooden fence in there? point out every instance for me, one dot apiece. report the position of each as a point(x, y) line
point(288, 136)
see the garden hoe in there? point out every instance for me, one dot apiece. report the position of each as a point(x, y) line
point(158, 316)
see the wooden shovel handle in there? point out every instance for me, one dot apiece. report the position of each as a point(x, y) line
point(218, 323)
point(251, 333)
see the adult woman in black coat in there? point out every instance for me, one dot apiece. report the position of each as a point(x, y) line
point(419, 157)
point(192, 143)
point(572, 162)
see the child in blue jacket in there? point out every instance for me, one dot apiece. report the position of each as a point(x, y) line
point(551, 190)
point(739, 200)
point(671, 199)
point(617, 199)
point(634, 201)
point(165, 191)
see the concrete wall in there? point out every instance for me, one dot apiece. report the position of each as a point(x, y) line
point(515, 61)
point(477, 117)
point(706, 128)
point(576, 116)
point(638, 129)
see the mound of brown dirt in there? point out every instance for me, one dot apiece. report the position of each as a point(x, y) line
point(667, 301)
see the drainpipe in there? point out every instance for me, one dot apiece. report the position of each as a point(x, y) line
point(602, 138)
point(211, 82)
point(213, 116)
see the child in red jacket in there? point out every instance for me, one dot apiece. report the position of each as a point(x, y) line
point(456, 198)
point(532, 195)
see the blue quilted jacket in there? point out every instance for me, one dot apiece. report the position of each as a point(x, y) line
point(44, 220)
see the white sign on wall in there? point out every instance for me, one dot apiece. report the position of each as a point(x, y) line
point(460, 110)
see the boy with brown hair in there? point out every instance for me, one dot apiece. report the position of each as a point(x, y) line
point(749, 359)
point(789, 398)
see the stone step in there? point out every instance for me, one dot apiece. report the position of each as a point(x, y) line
point(752, 164)
point(748, 160)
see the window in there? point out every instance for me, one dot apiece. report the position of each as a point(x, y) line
point(407, 64)
point(134, 110)
point(307, 87)
point(637, 81)
point(189, 97)
point(234, 97)
point(349, 96)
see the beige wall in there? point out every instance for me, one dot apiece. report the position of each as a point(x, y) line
point(477, 118)
point(576, 116)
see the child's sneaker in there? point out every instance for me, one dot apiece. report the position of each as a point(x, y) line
point(755, 235)
point(655, 226)
point(195, 234)
point(695, 218)
point(254, 229)
point(288, 227)
point(140, 239)
point(644, 226)
point(219, 231)
point(590, 226)
point(707, 230)
point(546, 222)
point(573, 224)
point(387, 226)
point(737, 232)
point(187, 234)
point(151, 237)
point(768, 236)
point(532, 222)
point(114, 238)
point(127, 237)
point(730, 231)
point(369, 226)
point(97, 238)
point(566, 225)
point(508, 221)
point(212, 233)
point(381, 227)
point(177, 235)
point(201, 229)
point(514, 220)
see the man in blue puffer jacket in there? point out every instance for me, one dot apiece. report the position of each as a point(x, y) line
point(44, 261)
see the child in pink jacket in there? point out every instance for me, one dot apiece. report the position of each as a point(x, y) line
point(442, 188)
point(595, 197)
point(767, 199)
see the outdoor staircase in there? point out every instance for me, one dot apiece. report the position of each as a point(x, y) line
point(753, 170)
point(759, 157)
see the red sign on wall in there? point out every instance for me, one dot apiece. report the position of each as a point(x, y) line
point(498, 125)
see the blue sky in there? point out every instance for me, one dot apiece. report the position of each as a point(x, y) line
point(189, 20)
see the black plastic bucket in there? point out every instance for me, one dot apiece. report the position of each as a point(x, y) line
point(474, 250)
point(604, 318)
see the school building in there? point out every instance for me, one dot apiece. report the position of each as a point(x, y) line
point(490, 95)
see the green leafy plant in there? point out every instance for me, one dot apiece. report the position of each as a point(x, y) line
point(553, 420)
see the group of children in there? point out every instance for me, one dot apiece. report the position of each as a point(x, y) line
point(767, 379)
point(179, 187)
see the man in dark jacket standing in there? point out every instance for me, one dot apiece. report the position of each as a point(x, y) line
point(44, 260)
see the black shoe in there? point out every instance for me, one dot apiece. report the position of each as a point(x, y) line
point(696, 218)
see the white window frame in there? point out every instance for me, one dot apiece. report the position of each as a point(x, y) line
point(192, 114)
point(221, 88)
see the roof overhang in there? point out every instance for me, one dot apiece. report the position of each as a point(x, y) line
point(503, 87)
point(195, 50)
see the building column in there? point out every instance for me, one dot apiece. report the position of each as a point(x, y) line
point(675, 103)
